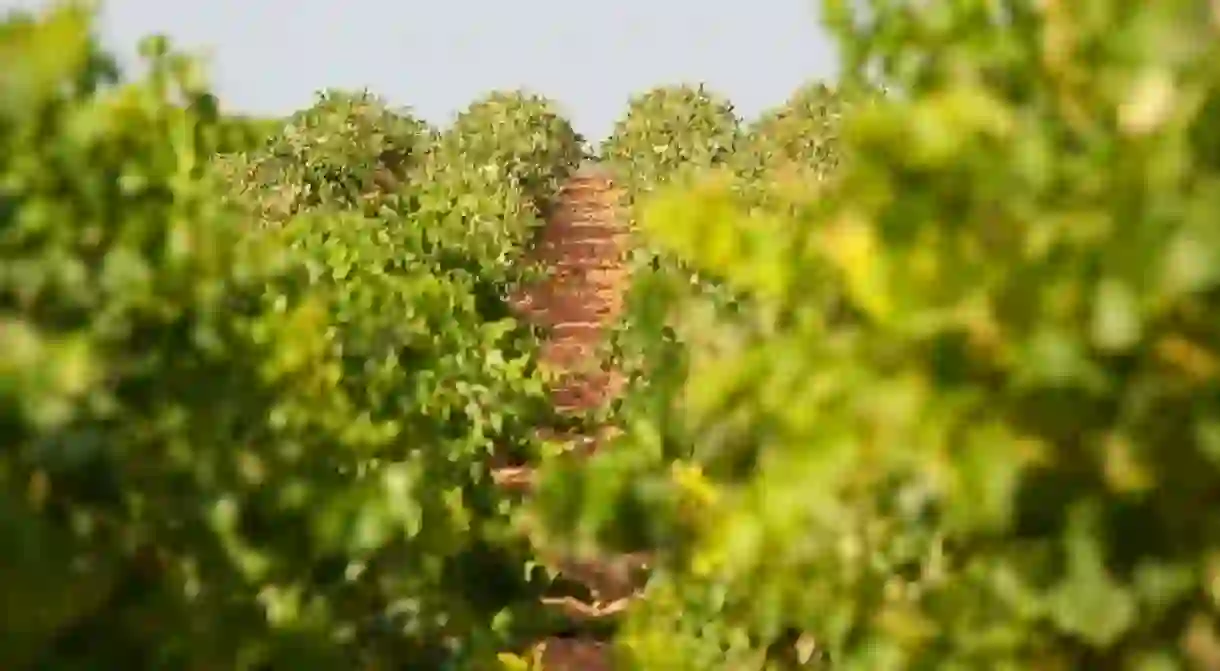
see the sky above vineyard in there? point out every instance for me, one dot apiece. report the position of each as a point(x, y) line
point(269, 56)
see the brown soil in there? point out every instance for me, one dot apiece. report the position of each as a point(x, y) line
point(583, 245)
point(569, 654)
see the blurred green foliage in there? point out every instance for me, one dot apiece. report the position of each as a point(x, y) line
point(927, 380)
point(966, 417)
point(249, 400)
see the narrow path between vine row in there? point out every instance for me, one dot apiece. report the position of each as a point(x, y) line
point(582, 245)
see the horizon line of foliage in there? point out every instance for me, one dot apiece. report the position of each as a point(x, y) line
point(954, 402)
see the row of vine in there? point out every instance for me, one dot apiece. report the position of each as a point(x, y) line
point(250, 397)
point(948, 399)
point(920, 381)
point(254, 370)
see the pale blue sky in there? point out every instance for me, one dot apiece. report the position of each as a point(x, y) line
point(269, 56)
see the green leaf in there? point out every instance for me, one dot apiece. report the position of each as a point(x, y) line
point(1116, 317)
point(1089, 603)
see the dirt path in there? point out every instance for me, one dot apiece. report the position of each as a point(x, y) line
point(583, 245)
